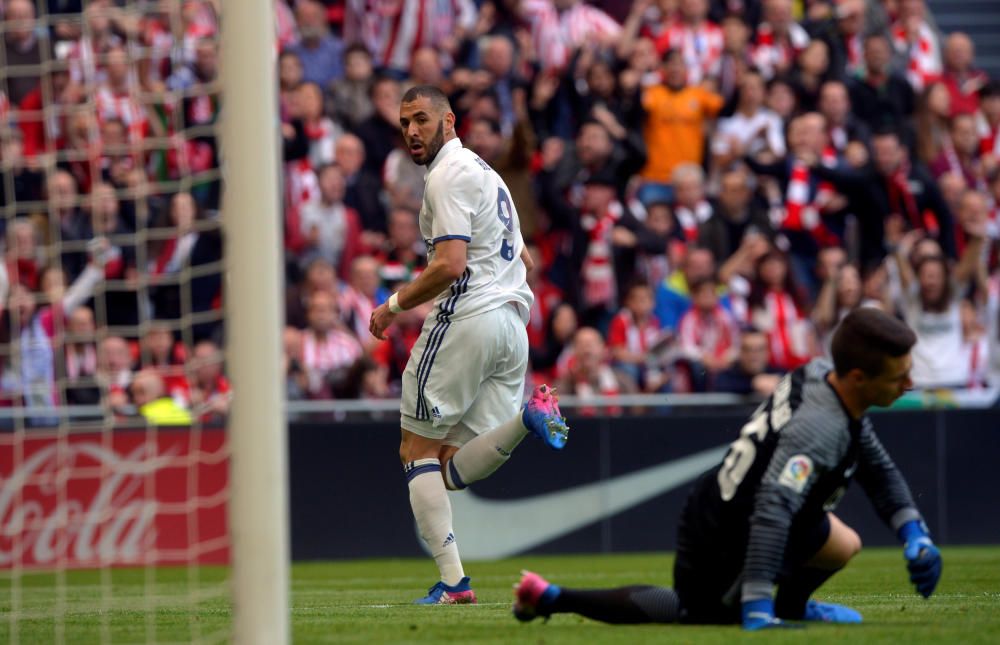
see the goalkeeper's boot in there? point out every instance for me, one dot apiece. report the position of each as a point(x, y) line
point(542, 417)
point(442, 594)
point(533, 596)
point(830, 613)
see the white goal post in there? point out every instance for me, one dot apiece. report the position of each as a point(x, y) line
point(257, 429)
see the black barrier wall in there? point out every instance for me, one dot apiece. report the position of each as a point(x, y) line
point(618, 486)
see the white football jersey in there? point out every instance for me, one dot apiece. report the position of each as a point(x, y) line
point(464, 198)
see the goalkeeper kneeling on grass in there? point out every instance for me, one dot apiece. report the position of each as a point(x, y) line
point(757, 536)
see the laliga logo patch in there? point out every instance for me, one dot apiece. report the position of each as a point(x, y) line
point(796, 473)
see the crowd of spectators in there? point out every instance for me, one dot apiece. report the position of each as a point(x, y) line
point(707, 188)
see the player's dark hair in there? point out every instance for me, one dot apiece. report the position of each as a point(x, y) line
point(437, 98)
point(864, 339)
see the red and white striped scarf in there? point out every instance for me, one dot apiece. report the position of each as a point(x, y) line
point(973, 171)
point(81, 363)
point(585, 386)
point(701, 47)
point(598, 270)
point(639, 339)
point(691, 219)
point(711, 334)
point(855, 55)
point(802, 212)
point(393, 30)
point(785, 340)
point(124, 107)
point(361, 306)
point(923, 56)
point(768, 53)
point(337, 349)
point(557, 34)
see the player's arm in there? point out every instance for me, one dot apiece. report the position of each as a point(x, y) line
point(529, 264)
point(893, 501)
point(807, 447)
point(445, 269)
point(452, 201)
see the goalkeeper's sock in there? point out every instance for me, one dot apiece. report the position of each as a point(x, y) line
point(432, 510)
point(479, 458)
point(622, 606)
point(795, 590)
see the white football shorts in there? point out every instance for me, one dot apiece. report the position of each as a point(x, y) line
point(465, 377)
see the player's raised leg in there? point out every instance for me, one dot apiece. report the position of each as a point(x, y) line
point(534, 596)
point(432, 511)
point(482, 456)
point(495, 419)
point(793, 600)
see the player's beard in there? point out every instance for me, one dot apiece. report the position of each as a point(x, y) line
point(434, 147)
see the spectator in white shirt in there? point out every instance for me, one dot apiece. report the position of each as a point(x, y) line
point(932, 293)
point(332, 230)
point(752, 129)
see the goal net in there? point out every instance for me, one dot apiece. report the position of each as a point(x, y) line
point(114, 458)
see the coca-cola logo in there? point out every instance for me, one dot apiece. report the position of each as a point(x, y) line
point(74, 503)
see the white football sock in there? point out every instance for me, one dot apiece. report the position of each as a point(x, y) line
point(479, 458)
point(432, 510)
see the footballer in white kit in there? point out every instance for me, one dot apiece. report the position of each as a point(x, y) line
point(461, 414)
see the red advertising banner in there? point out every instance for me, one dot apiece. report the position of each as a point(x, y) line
point(121, 498)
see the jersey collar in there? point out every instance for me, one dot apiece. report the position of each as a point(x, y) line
point(454, 144)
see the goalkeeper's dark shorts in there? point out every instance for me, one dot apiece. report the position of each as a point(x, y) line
point(709, 564)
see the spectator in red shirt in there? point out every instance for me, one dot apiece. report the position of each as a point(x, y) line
point(960, 154)
point(708, 335)
point(115, 371)
point(23, 255)
point(404, 253)
point(361, 295)
point(116, 98)
point(777, 308)
point(589, 373)
point(632, 336)
point(779, 39)
point(328, 349)
point(988, 119)
point(547, 298)
point(80, 359)
point(42, 131)
point(394, 352)
point(159, 351)
point(210, 393)
point(551, 357)
point(962, 79)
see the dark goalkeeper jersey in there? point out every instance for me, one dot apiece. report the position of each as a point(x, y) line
point(792, 463)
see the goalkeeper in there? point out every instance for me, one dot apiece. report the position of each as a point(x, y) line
point(757, 536)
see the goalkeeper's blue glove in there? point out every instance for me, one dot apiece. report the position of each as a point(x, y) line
point(759, 614)
point(923, 559)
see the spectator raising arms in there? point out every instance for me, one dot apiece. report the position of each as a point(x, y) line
point(932, 293)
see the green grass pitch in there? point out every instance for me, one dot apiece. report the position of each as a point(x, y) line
point(367, 601)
